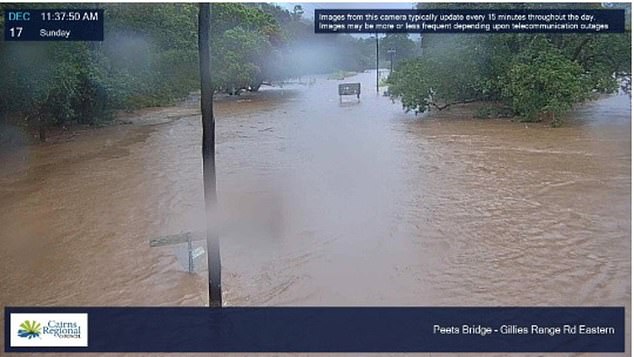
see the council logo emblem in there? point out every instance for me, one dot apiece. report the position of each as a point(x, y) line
point(30, 329)
point(48, 329)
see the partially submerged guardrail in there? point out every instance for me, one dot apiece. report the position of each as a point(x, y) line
point(193, 250)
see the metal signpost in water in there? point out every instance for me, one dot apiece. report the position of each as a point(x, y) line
point(377, 62)
point(391, 52)
point(209, 164)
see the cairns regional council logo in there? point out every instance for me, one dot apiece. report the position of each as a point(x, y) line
point(30, 329)
point(49, 330)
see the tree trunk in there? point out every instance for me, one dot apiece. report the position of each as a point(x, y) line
point(209, 164)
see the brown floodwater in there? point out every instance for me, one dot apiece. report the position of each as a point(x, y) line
point(326, 203)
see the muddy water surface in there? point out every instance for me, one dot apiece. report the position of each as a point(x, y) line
point(327, 203)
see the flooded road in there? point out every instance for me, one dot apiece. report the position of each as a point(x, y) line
point(327, 203)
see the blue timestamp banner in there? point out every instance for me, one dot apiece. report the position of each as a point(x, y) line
point(470, 21)
point(53, 25)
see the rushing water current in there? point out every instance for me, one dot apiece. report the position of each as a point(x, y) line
point(326, 203)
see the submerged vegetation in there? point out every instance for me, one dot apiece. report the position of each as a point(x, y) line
point(536, 75)
point(341, 75)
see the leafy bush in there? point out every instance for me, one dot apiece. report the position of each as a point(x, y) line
point(542, 80)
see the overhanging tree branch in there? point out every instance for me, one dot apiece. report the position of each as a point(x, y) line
point(447, 105)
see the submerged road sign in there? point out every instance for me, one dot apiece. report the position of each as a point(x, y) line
point(349, 89)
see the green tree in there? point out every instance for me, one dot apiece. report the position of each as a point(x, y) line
point(542, 80)
point(148, 58)
point(536, 75)
point(403, 46)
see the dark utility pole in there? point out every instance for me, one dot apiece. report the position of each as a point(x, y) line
point(391, 52)
point(377, 62)
point(209, 159)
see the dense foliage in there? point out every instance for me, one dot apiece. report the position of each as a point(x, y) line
point(535, 75)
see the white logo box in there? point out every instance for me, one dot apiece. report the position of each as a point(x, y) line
point(65, 337)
